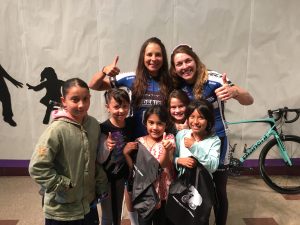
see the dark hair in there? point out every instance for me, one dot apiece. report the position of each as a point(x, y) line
point(201, 71)
point(71, 83)
point(159, 110)
point(206, 109)
point(140, 84)
point(120, 95)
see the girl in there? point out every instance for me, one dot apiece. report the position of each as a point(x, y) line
point(199, 145)
point(161, 147)
point(199, 141)
point(191, 75)
point(116, 132)
point(149, 85)
point(177, 103)
point(64, 160)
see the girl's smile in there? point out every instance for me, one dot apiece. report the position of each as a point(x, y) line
point(177, 110)
point(197, 124)
point(155, 127)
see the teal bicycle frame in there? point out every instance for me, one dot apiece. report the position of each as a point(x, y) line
point(271, 132)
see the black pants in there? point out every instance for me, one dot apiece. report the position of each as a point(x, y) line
point(91, 218)
point(220, 178)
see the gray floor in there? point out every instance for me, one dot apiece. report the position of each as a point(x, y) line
point(251, 203)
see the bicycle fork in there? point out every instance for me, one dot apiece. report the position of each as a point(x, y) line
point(282, 150)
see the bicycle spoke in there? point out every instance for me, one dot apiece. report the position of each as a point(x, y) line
point(279, 175)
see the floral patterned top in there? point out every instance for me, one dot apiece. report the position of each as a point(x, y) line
point(168, 174)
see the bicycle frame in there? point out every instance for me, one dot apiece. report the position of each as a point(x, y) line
point(272, 131)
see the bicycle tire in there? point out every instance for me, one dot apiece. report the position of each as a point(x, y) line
point(275, 172)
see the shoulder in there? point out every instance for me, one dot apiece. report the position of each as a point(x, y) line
point(55, 130)
point(128, 76)
point(106, 126)
point(214, 76)
point(214, 139)
point(183, 133)
point(129, 120)
point(91, 122)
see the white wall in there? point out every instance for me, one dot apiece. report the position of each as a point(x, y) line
point(256, 42)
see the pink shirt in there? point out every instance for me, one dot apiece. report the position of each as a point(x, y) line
point(167, 176)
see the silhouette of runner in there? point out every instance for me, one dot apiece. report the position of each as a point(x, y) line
point(5, 96)
point(52, 85)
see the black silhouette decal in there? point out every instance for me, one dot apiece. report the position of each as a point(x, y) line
point(52, 84)
point(5, 96)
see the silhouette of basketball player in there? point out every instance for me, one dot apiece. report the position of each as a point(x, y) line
point(52, 85)
point(5, 96)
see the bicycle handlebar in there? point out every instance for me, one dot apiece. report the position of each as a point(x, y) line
point(282, 112)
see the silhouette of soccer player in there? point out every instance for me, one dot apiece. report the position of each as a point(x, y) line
point(52, 84)
point(5, 96)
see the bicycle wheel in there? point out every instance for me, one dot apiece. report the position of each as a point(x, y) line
point(275, 172)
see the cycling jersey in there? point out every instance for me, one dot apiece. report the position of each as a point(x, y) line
point(214, 81)
point(152, 96)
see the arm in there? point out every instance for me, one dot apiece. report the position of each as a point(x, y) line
point(185, 160)
point(241, 95)
point(207, 152)
point(100, 80)
point(103, 150)
point(168, 143)
point(37, 87)
point(8, 77)
point(101, 180)
point(42, 168)
point(128, 149)
point(228, 91)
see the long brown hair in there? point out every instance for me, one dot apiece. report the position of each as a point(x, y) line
point(140, 84)
point(201, 71)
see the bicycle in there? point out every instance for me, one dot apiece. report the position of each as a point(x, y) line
point(279, 159)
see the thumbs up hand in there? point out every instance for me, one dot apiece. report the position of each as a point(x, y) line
point(110, 143)
point(226, 92)
point(112, 69)
point(189, 141)
point(167, 143)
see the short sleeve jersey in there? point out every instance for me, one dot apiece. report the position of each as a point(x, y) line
point(152, 96)
point(214, 81)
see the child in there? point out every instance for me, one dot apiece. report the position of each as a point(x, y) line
point(116, 132)
point(64, 160)
point(177, 103)
point(199, 145)
point(161, 147)
point(199, 141)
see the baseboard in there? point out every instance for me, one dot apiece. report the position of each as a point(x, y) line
point(9, 167)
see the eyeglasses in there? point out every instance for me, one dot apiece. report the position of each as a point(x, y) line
point(181, 45)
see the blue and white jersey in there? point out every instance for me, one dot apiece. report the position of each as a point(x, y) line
point(214, 81)
point(152, 96)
